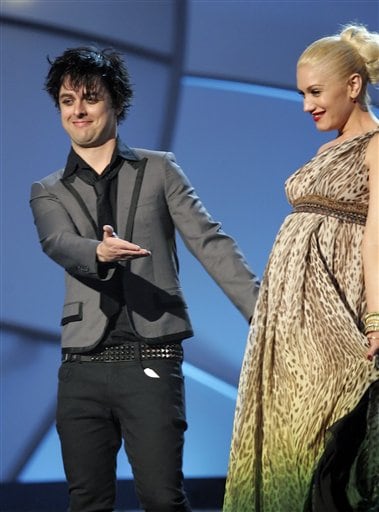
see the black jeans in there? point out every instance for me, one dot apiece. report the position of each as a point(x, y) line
point(101, 403)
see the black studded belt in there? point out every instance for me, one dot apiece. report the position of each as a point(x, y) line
point(129, 352)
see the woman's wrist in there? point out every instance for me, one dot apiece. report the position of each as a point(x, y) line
point(371, 322)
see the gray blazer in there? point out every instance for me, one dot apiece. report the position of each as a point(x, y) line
point(155, 302)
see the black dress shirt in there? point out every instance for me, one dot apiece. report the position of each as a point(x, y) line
point(119, 328)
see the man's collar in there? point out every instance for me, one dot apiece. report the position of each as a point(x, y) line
point(126, 152)
point(121, 149)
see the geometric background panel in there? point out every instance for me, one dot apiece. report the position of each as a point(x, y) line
point(214, 83)
point(135, 22)
point(269, 35)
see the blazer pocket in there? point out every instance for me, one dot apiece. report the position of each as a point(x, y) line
point(72, 312)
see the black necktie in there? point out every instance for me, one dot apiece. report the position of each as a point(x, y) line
point(110, 295)
point(103, 205)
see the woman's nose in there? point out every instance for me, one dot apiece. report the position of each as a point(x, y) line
point(308, 105)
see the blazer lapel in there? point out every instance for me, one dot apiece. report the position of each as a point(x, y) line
point(80, 199)
point(126, 183)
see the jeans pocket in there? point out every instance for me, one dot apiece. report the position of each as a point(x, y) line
point(64, 372)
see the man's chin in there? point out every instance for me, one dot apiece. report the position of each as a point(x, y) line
point(86, 144)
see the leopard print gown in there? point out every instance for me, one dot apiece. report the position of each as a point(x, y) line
point(305, 365)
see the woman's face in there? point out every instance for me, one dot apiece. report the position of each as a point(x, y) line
point(326, 97)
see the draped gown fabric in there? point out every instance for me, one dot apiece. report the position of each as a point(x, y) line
point(305, 365)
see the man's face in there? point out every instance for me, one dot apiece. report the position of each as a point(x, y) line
point(87, 115)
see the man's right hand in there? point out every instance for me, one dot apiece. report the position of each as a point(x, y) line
point(112, 248)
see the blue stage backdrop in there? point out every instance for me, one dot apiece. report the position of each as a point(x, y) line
point(215, 83)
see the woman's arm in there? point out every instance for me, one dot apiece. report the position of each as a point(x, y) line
point(370, 244)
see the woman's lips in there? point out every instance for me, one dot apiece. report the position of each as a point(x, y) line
point(317, 116)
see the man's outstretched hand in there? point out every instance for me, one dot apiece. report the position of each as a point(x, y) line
point(112, 248)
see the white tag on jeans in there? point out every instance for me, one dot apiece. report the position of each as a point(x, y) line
point(151, 373)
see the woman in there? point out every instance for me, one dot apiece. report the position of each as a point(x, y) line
point(309, 367)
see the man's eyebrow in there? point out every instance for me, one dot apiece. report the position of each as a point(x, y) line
point(65, 94)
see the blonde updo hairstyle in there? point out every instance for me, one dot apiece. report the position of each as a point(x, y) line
point(353, 50)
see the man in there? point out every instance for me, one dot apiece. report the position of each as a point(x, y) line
point(109, 219)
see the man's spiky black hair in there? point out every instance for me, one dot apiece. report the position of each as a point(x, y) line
point(86, 66)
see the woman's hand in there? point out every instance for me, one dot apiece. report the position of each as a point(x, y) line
point(373, 339)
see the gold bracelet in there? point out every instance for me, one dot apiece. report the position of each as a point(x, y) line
point(374, 316)
point(371, 327)
point(371, 322)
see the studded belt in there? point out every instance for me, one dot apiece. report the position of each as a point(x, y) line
point(129, 352)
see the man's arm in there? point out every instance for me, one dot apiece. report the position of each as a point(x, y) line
point(216, 251)
point(61, 240)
